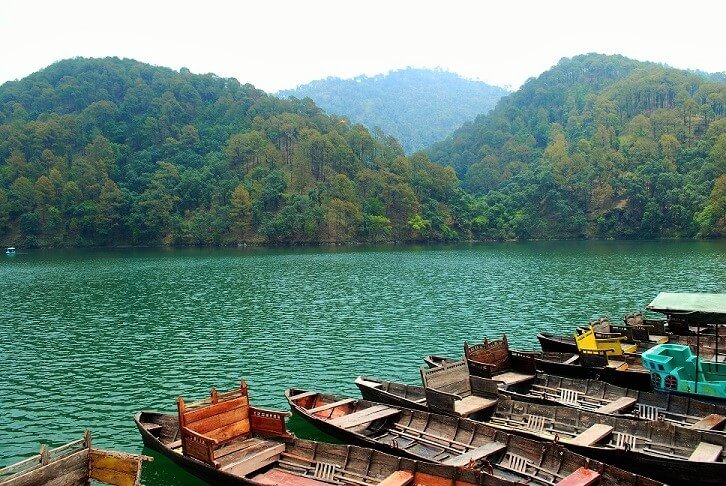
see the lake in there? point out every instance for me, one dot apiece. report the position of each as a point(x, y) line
point(88, 337)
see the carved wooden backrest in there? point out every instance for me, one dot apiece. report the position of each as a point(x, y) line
point(449, 378)
point(222, 417)
point(493, 353)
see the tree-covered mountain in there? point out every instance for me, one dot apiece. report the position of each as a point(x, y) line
point(599, 146)
point(113, 152)
point(417, 106)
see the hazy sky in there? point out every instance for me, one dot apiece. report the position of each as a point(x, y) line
point(280, 44)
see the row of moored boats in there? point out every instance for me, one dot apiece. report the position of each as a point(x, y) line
point(596, 414)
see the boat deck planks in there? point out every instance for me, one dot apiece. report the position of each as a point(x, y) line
point(364, 416)
point(592, 435)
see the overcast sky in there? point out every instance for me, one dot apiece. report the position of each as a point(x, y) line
point(280, 44)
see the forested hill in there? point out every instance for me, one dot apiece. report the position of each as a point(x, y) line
point(600, 146)
point(115, 152)
point(416, 106)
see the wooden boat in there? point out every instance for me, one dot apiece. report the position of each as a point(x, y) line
point(75, 463)
point(434, 360)
point(224, 440)
point(589, 395)
point(494, 359)
point(307, 463)
point(709, 344)
point(658, 449)
point(600, 397)
point(674, 368)
point(454, 441)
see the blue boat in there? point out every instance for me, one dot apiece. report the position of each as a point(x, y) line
point(674, 368)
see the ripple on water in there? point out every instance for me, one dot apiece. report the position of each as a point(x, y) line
point(88, 338)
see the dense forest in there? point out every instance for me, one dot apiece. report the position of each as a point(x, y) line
point(115, 152)
point(417, 106)
point(599, 147)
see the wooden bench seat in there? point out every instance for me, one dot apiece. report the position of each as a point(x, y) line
point(512, 377)
point(328, 406)
point(471, 404)
point(591, 435)
point(476, 454)
point(220, 430)
point(366, 415)
point(581, 477)
point(251, 458)
point(710, 422)
point(398, 478)
point(276, 477)
point(706, 452)
point(303, 395)
point(617, 405)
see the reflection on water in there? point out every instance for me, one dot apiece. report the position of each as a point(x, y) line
point(89, 337)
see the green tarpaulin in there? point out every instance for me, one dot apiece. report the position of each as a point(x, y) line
point(699, 306)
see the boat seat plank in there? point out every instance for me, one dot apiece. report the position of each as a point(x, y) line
point(617, 405)
point(175, 445)
point(303, 395)
point(580, 477)
point(472, 403)
point(476, 454)
point(591, 435)
point(328, 406)
point(710, 422)
point(267, 453)
point(512, 377)
point(278, 476)
point(706, 452)
point(398, 478)
point(364, 416)
point(571, 359)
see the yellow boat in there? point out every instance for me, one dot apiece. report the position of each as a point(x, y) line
point(614, 346)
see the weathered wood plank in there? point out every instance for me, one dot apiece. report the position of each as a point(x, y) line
point(581, 477)
point(706, 452)
point(617, 405)
point(328, 406)
point(364, 416)
point(710, 422)
point(591, 435)
point(398, 478)
point(476, 454)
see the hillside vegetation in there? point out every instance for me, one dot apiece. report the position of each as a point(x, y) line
point(417, 106)
point(599, 146)
point(115, 152)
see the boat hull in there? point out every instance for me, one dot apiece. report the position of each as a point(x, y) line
point(554, 344)
point(201, 470)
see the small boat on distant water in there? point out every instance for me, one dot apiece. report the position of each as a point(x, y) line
point(505, 458)
point(75, 463)
point(10, 251)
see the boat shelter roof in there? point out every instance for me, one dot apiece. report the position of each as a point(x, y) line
point(698, 306)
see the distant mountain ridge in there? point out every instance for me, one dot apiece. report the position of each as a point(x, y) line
point(417, 106)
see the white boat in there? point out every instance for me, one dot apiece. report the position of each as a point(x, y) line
point(10, 250)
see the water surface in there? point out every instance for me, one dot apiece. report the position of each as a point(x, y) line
point(89, 337)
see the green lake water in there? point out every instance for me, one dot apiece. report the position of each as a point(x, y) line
point(89, 337)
